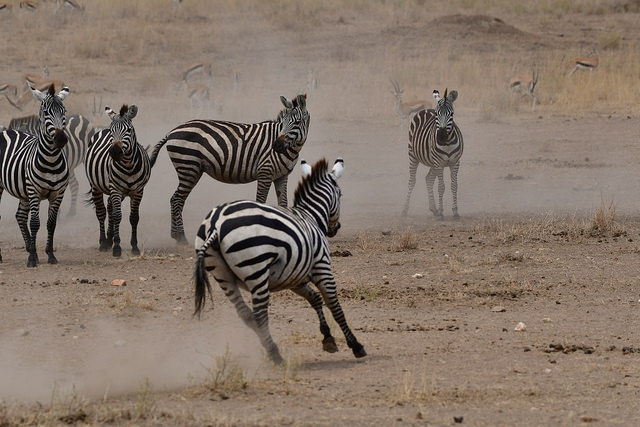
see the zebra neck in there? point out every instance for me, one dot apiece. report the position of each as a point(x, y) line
point(315, 215)
point(46, 144)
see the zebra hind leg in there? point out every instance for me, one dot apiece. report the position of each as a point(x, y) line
point(177, 225)
point(440, 193)
point(454, 189)
point(134, 218)
point(328, 343)
point(73, 186)
point(54, 206)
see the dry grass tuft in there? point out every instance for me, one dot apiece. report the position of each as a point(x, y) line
point(406, 241)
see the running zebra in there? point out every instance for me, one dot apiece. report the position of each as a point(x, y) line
point(118, 166)
point(260, 248)
point(79, 132)
point(33, 168)
point(436, 141)
point(235, 153)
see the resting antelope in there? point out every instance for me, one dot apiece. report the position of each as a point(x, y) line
point(590, 63)
point(525, 84)
point(71, 4)
point(405, 109)
point(31, 79)
point(5, 7)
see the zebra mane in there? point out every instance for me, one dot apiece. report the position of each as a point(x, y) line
point(318, 171)
point(123, 110)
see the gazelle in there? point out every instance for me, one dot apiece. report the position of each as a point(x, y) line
point(194, 68)
point(31, 79)
point(5, 6)
point(71, 4)
point(590, 63)
point(30, 5)
point(525, 84)
point(405, 109)
point(7, 89)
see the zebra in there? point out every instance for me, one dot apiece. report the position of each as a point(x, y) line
point(261, 248)
point(436, 141)
point(117, 165)
point(79, 132)
point(34, 168)
point(235, 153)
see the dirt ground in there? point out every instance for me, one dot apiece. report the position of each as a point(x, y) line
point(549, 236)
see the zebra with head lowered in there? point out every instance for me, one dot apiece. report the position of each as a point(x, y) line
point(235, 153)
point(79, 131)
point(33, 168)
point(436, 141)
point(262, 249)
point(118, 166)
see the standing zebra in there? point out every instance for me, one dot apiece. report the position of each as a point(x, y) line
point(235, 153)
point(260, 248)
point(33, 168)
point(79, 132)
point(435, 141)
point(117, 165)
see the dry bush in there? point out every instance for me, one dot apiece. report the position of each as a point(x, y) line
point(406, 241)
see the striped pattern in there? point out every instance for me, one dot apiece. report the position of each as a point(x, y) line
point(33, 168)
point(235, 153)
point(264, 249)
point(118, 166)
point(435, 141)
point(79, 132)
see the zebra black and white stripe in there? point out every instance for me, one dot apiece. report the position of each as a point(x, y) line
point(260, 248)
point(118, 166)
point(33, 168)
point(79, 131)
point(436, 141)
point(235, 153)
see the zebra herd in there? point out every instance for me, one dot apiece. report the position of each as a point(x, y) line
point(244, 245)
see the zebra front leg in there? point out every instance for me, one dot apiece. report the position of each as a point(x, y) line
point(52, 219)
point(115, 217)
point(431, 178)
point(109, 222)
point(327, 286)
point(264, 182)
point(440, 192)
point(280, 185)
point(22, 216)
point(134, 218)
point(34, 226)
point(413, 166)
point(454, 188)
point(101, 213)
point(314, 298)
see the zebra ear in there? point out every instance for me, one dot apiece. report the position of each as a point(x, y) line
point(64, 92)
point(37, 94)
point(110, 112)
point(338, 168)
point(132, 112)
point(306, 168)
point(453, 95)
point(286, 102)
point(436, 95)
point(301, 101)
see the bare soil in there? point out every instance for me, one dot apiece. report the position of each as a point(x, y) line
point(548, 237)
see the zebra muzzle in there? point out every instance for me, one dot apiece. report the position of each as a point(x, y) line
point(333, 229)
point(60, 138)
point(115, 151)
point(280, 144)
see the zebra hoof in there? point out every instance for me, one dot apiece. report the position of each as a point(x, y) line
point(117, 251)
point(135, 251)
point(329, 345)
point(358, 351)
point(32, 261)
point(456, 217)
point(52, 259)
point(275, 357)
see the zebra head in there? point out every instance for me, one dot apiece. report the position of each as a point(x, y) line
point(320, 194)
point(444, 114)
point(294, 124)
point(122, 131)
point(52, 115)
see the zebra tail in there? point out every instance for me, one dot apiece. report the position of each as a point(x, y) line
point(201, 279)
point(88, 201)
point(156, 150)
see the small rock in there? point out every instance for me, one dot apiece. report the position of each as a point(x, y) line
point(458, 420)
point(547, 320)
point(118, 282)
point(498, 309)
point(520, 327)
point(418, 276)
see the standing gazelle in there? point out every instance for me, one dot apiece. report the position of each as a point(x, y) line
point(405, 109)
point(591, 63)
point(525, 84)
point(435, 141)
